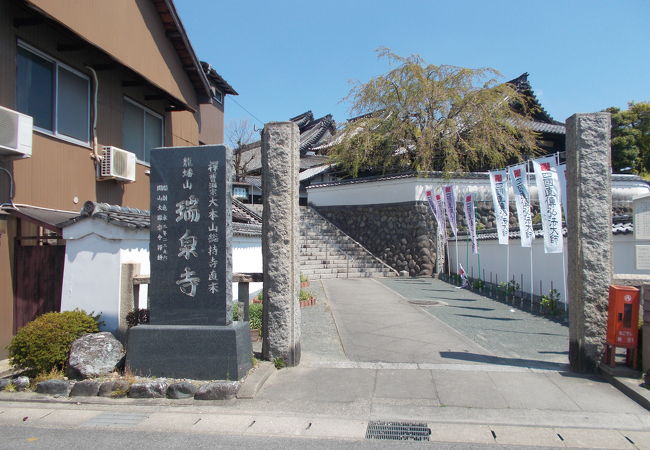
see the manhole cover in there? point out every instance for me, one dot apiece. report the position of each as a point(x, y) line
point(398, 431)
point(428, 302)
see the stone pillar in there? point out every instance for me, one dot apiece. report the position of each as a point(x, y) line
point(128, 301)
point(280, 240)
point(589, 242)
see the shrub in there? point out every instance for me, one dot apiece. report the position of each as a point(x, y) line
point(44, 343)
point(549, 302)
point(304, 295)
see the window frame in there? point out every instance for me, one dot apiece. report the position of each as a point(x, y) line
point(144, 110)
point(217, 95)
point(55, 119)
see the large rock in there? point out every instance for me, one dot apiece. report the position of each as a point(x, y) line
point(94, 355)
point(20, 383)
point(4, 382)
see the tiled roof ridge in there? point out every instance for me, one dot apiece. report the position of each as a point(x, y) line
point(91, 208)
point(522, 85)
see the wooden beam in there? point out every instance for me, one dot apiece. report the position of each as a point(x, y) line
point(105, 66)
point(154, 97)
point(173, 34)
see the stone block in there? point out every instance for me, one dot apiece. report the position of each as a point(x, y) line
point(85, 388)
point(181, 390)
point(150, 389)
point(4, 382)
point(218, 390)
point(196, 352)
point(21, 383)
point(54, 387)
point(117, 388)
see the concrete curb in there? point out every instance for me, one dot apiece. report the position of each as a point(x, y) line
point(629, 387)
point(254, 382)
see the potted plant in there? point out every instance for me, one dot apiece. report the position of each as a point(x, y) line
point(304, 281)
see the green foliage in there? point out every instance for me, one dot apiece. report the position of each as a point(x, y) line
point(44, 343)
point(303, 278)
point(137, 317)
point(10, 387)
point(303, 296)
point(537, 218)
point(424, 117)
point(631, 138)
point(509, 288)
point(478, 284)
point(550, 301)
point(279, 363)
point(255, 316)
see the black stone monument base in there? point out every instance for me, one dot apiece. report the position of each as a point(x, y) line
point(198, 352)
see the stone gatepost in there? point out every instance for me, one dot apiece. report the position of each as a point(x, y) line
point(589, 242)
point(280, 241)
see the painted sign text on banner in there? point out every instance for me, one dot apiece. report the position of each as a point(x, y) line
point(522, 200)
point(450, 203)
point(471, 221)
point(434, 208)
point(561, 176)
point(499, 185)
point(548, 188)
point(440, 203)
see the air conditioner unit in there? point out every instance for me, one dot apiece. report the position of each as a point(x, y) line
point(117, 164)
point(15, 133)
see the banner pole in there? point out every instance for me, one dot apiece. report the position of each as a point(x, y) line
point(457, 260)
point(532, 286)
point(507, 270)
point(566, 299)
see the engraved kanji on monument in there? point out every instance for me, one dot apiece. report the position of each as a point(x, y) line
point(190, 251)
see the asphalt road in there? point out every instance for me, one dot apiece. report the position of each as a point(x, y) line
point(28, 437)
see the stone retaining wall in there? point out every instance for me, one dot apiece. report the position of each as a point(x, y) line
point(401, 234)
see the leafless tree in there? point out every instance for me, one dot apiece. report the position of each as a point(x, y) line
point(239, 134)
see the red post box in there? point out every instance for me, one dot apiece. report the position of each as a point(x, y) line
point(622, 322)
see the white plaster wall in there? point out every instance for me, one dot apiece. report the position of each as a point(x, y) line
point(91, 277)
point(412, 189)
point(546, 267)
point(95, 251)
point(246, 257)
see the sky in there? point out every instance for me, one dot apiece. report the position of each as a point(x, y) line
point(286, 57)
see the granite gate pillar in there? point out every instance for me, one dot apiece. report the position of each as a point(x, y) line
point(589, 241)
point(280, 241)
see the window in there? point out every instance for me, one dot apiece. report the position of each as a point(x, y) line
point(142, 130)
point(55, 95)
point(217, 94)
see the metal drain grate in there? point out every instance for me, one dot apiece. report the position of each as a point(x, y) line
point(398, 431)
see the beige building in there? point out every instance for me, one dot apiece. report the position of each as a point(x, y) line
point(91, 74)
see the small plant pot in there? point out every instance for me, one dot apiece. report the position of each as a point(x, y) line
point(255, 335)
point(304, 284)
point(311, 301)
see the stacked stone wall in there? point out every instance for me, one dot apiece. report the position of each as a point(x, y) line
point(401, 234)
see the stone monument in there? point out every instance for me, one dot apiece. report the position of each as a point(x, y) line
point(589, 237)
point(191, 333)
point(280, 240)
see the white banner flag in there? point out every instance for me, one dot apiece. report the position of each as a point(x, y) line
point(440, 202)
point(470, 216)
point(499, 184)
point(450, 203)
point(561, 176)
point(522, 200)
point(434, 209)
point(548, 188)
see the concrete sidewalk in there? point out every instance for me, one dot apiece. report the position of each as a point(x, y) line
point(370, 355)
